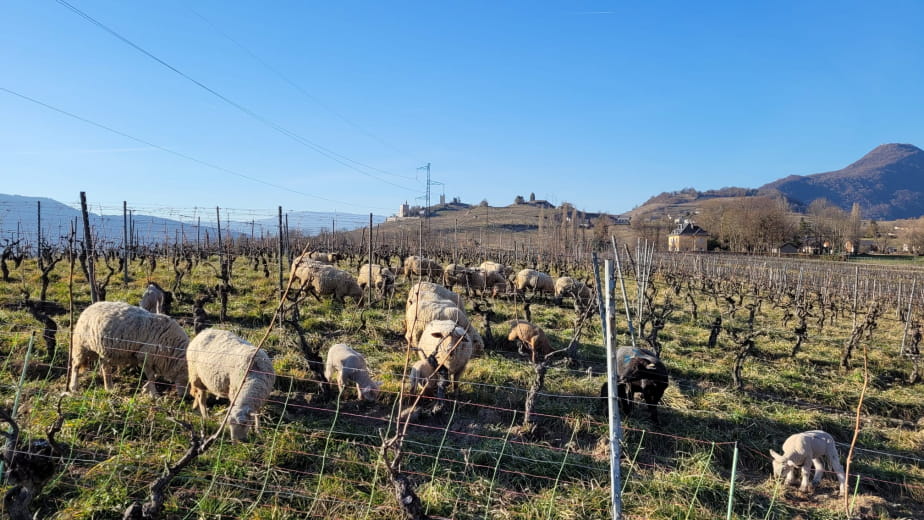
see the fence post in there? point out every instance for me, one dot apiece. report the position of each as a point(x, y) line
point(612, 378)
point(280, 250)
point(731, 487)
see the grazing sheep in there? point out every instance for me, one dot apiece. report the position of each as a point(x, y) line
point(455, 274)
point(334, 282)
point(122, 335)
point(420, 376)
point(533, 336)
point(503, 270)
point(327, 258)
point(432, 291)
point(423, 267)
point(448, 345)
point(383, 279)
point(226, 365)
point(351, 368)
point(155, 299)
point(799, 449)
point(419, 314)
point(304, 269)
point(639, 371)
point(568, 286)
point(535, 281)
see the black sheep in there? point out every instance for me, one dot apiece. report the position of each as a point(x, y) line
point(639, 371)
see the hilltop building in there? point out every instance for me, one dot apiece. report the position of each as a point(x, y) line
point(687, 237)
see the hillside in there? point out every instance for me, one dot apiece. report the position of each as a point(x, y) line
point(888, 183)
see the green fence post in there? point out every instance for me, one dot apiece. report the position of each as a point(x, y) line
point(731, 486)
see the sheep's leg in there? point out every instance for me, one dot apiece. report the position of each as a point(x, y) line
point(790, 474)
point(77, 363)
point(150, 377)
point(199, 394)
point(819, 470)
point(107, 375)
point(835, 463)
point(625, 406)
point(652, 403)
point(806, 469)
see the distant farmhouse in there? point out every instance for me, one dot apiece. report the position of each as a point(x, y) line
point(687, 237)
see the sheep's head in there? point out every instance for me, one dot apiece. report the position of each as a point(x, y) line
point(780, 463)
point(449, 338)
point(371, 393)
point(240, 424)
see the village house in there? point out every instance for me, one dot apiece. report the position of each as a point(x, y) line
point(687, 237)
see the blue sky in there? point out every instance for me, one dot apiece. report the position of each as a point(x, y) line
point(602, 104)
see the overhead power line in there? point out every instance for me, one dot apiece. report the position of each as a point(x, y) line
point(174, 152)
point(326, 152)
point(305, 93)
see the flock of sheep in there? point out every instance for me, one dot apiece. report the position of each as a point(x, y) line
point(436, 326)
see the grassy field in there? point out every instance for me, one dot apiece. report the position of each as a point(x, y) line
point(320, 458)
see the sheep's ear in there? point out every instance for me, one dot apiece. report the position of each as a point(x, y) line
point(775, 455)
point(460, 331)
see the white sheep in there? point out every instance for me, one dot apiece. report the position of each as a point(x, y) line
point(304, 269)
point(455, 274)
point(330, 281)
point(423, 267)
point(421, 313)
point(351, 368)
point(448, 345)
point(536, 281)
point(568, 286)
point(432, 291)
point(490, 266)
point(801, 448)
point(223, 364)
point(122, 335)
point(383, 279)
point(327, 258)
point(420, 376)
point(155, 299)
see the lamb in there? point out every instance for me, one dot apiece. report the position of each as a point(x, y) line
point(122, 335)
point(423, 267)
point(421, 375)
point(536, 281)
point(533, 336)
point(155, 299)
point(226, 365)
point(446, 345)
point(799, 449)
point(383, 279)
point(351, 368)
point(639, 371)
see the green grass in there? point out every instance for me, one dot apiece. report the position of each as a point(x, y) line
point(321, 459)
